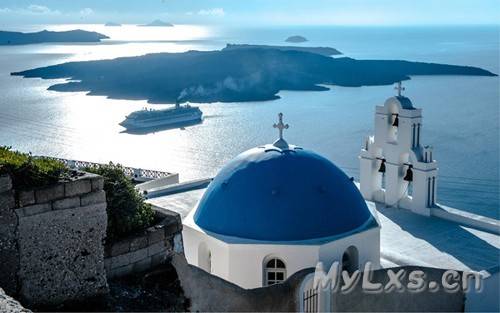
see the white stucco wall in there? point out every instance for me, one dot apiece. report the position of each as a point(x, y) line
point(219, 251)
point(367, 243)
point(242, 263)
point(247, 261)
point(399, 152)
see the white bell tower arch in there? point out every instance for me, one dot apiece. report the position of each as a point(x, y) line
point(395, 169)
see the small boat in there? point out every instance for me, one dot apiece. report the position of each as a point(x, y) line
point(150, 118)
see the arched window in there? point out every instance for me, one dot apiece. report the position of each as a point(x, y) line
point(274, 271)
point(393, 128)
point(350, 259)
point(204, 257)
point(381, 171)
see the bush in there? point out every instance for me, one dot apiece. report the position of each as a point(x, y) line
point(29, 172)
point(127, 211)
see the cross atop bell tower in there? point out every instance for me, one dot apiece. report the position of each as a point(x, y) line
point(399, 88)
point(281, 143)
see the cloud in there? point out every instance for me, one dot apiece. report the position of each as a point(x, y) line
point(40, 9)
point(32, 9)
point(86, 11)
point(212, 12)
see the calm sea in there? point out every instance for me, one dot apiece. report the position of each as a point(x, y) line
point(461, 114)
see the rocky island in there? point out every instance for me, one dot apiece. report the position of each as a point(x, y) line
point(113, 24)
point(231, 75)
point(296, 39)
point(326, 51)
point(157, 23)
point(18, 38)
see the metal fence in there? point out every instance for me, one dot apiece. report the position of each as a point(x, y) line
point(310, 300)
point(135, 173)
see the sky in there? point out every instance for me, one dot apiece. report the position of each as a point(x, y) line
point(254, 12)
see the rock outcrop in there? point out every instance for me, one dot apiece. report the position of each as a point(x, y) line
point(10, 305)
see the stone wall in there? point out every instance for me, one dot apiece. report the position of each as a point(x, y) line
point(53, 242)
point(209, 293)
point(145, 250)
point(9, 252)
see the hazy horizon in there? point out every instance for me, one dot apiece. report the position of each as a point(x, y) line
point(254, 12)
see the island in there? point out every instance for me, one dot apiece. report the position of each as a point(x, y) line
point(113, 24)
point(296, 39)
point(326, 51)
point(231, 75)
point(157, 23)
point(18, 38)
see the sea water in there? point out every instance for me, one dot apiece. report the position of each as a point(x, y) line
point(460, 114)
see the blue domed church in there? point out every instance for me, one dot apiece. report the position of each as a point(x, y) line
point(277, 209)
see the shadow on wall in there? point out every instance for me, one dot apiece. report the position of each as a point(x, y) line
point(208, 293)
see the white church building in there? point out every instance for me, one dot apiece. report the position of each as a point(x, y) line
point(395, 168)
point(277, 209)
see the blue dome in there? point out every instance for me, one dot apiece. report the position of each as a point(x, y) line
point(271, 194)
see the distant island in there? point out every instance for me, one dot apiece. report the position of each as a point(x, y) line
point(231, 75)
point(326, 51)
point(18, 38)
point(157, 23)
point(296, 39)
point(112, 24)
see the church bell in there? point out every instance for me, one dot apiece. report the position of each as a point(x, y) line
point(395, 123)
point(409, 175)
point(381, 169)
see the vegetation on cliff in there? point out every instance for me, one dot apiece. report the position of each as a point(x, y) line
point(127, 211)
point(27, 171)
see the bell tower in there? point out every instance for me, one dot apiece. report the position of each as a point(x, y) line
point(395, 169)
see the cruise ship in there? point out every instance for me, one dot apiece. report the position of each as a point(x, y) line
point(150, 118)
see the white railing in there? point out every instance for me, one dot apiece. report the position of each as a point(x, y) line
point(135, 173)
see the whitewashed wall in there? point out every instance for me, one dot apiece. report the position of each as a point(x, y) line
point(243, 263)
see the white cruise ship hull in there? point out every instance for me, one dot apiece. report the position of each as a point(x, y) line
point(160, 121)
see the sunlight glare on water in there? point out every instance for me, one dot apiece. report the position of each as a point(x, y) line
point(461, 114)
point(141, 33)
point(127, 40)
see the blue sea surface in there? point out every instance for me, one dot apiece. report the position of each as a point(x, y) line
point(461, 114)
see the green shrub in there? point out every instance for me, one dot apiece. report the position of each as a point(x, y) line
point(127, 211)
point(29, 172)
